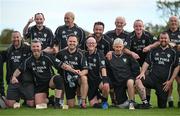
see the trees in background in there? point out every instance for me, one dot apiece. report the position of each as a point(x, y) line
point(5, 37)
point(167, 8)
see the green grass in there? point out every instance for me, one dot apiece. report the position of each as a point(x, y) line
point(23, 111)
point(90, 112)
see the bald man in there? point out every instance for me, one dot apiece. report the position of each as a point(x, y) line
point(119, 31)
point(174, 35)
point(69, 27)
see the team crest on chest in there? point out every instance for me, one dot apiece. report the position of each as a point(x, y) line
point(76, 58)
point(45, 35)
point(125, 60)
point(65, 57)
point(75, 32)
point(32, 63)
point(103, 62)
point(143, 41)
point(168, 55)
point(102, 46)
point(43, 63)
point(35, 34)
point(179, 36)
point(63, 32)
point(94, 60)
point(157, 54)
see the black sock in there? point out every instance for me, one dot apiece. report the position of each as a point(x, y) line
point(148, 97)
point(57, 100)
point(104, 99)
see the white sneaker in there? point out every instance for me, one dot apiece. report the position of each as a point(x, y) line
point(41, 106)
point(131, 106)
point(16, 105)
point(123, 105)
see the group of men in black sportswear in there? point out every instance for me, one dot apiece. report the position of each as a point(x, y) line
point(91, 66)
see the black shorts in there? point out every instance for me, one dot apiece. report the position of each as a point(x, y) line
point(42, 88)
point(70, 89)
point(17, 91)
point(151, 82)
point(120, 92)
point(93, 88)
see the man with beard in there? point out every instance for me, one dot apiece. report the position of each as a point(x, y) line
point(39, 64)
point(104, 43)
point(74, 57)
point(162, 60)
point(39, 31)
point(15, 55)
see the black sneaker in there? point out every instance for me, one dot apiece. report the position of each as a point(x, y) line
point(143, 106)
point(51, 100)
point(171, 104)
point(178, 104)
point(97, 105)
point(57, 106)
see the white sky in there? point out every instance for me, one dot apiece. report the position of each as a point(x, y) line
point(14, 14)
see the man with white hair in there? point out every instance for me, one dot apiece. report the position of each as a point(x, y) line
point(118, 32)
point(123, 70)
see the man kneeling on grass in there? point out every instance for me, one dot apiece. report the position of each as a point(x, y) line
point(122, 72)
point(97, 76)
point(40, 65)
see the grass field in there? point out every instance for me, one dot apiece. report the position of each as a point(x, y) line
point(24, 111)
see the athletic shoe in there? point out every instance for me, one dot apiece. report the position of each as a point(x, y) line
point(57, 106)
point(171, 104)
point(123, 105)
point(131, 106)
point(143, 106)
point(2, 102)
point(51, 100)
point(41, 106)
point(104, 105)
point(97, 105)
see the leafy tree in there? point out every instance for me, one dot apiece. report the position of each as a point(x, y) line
point(5, 37)
point(168, 8)
point(155, 29)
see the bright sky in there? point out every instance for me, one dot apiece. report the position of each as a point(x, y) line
point(14, 14)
